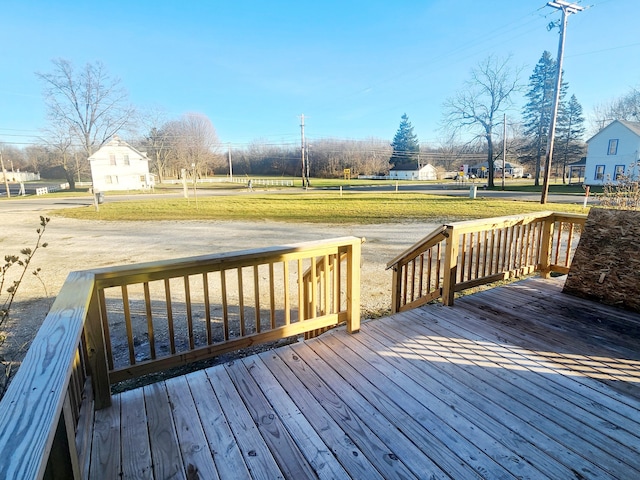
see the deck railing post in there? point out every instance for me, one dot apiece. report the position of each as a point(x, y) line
point(353, 286)
point(450, 266)
point(97, 354)
point(546, 246)
point(396, 288)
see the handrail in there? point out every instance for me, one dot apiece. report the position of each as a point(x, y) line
point(35, 402)
point(466, 254)
point(278, 264)
point(41, 420)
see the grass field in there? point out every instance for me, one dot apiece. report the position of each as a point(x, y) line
point(360, 208)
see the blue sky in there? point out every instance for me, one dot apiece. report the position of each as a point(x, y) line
point(352, 67)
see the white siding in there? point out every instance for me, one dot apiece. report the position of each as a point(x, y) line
point(603, 156)
point(130, 172)
point(428, 172)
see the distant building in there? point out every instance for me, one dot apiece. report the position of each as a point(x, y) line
point(119, 166)
point(512, 169)
point(576, 171)
point(19, 176)
point(612, 152)
point(412, 171)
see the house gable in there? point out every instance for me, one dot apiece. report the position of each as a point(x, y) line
point(411, 171)
point(119, 166)
point(613, 151)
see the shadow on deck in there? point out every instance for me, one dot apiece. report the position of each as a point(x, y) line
point(517, 381)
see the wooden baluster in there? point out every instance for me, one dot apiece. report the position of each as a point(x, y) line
point(287, 294)
point(272, 296)
point(147, 303)
point(207, 307)
point(256, 290)
point(225, 306)
point(167, 296)
point(187, 301)
point(127, 322)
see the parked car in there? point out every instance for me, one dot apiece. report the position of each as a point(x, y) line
point(526, 175)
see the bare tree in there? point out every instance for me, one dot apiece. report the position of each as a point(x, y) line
point(329, 157)
point(59, 141)
point(448, 151)
point(89, 103)
point(14, 158)
point(478, 106)
point(156, 140)
point(37, 157)
point(194, 143)
point(626, 107)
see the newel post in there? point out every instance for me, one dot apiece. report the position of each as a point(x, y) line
point(396, 288)
point(97, 354)
point(546, 247)
point(450, 266)
point(353, 286)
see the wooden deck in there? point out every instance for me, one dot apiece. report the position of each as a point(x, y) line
point(519, 381)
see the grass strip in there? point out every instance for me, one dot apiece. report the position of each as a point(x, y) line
point(361, 208)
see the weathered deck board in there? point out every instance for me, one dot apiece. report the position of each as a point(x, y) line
point(191, 438)
point(136, 453)
point(519, 381)
point(222, 443)
point(538, 411)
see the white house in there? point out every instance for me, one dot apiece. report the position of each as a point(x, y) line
point(612, 152)
point(119, 166)
point(412, 171)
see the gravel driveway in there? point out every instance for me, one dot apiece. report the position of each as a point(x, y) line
point(79, 245)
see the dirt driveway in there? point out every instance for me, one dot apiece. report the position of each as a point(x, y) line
point(79, 245)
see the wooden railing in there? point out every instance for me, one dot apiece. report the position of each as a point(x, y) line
point(161, 314)
point(468, 254)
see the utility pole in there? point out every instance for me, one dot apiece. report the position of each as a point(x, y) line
point(567, 9)
point(304, 164)
point(4, 174)
point(307, 162)
point(230, 165)
point(504, 147)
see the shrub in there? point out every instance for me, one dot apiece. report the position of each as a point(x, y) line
point(9, 289)
point(624, 193)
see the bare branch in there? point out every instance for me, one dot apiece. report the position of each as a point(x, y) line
point(90, 103)
point(476, 109)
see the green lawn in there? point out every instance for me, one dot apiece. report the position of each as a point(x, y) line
point(327, 207)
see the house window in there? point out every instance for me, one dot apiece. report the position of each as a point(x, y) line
point(599, 172)
point(619, 172)
point(613, 147)
point(108, 179)
point(142, 178)
point(126, 160)
point(112, 159)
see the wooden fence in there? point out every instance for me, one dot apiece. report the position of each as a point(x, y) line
point(161, 314)
point(468, 254)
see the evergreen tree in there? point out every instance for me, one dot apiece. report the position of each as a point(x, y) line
point(569, 145)
point(539, 108)
point(405, 143)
